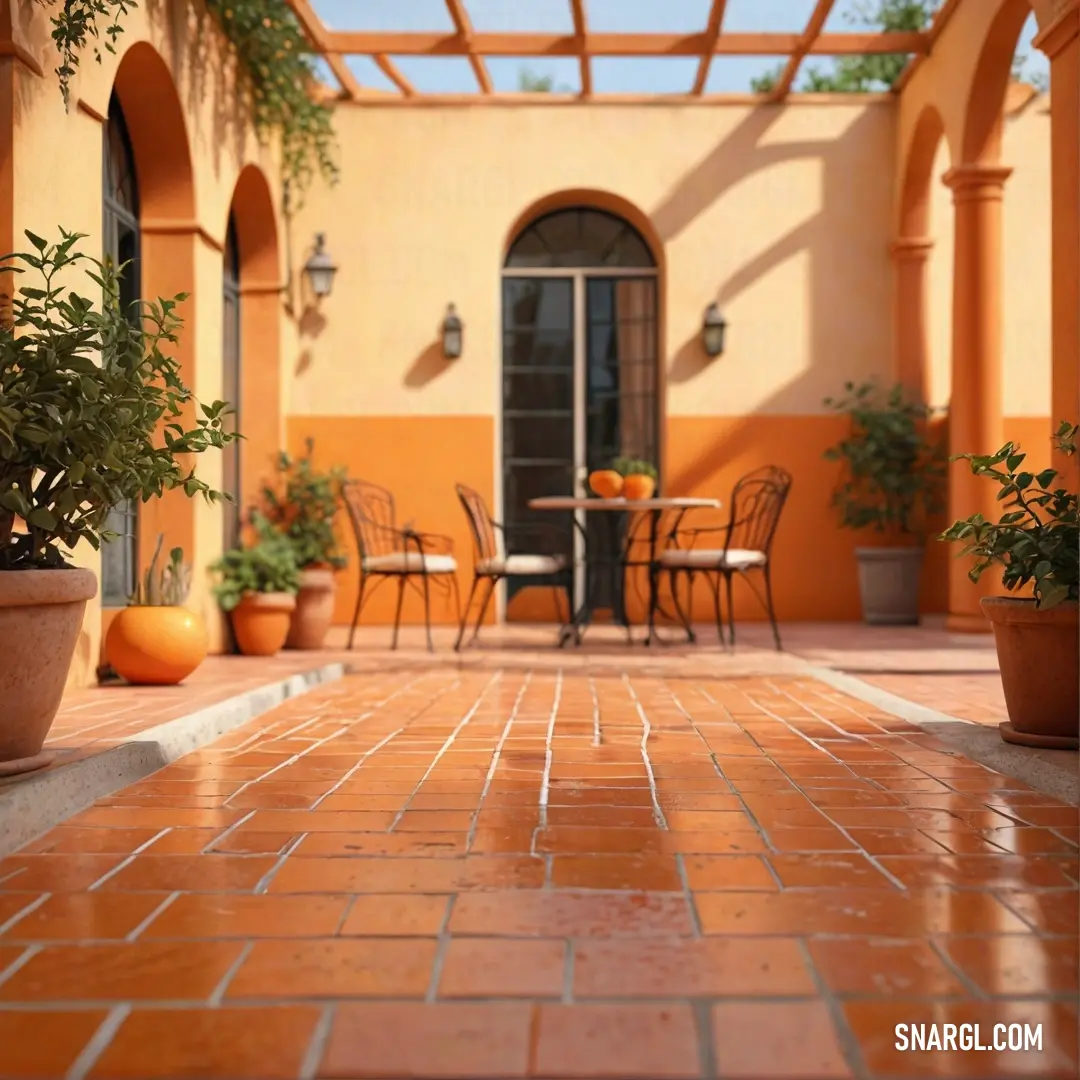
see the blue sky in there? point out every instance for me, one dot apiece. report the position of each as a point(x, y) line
point(642, 75)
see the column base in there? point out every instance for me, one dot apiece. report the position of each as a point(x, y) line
point(968, 624)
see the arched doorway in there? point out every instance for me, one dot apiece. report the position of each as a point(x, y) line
point(122, 245)
point(231, 376)
point(580, 360)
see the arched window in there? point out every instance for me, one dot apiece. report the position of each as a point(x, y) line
point(580, 364)
point(581, 238)
point(230, 289)
point(121, 245)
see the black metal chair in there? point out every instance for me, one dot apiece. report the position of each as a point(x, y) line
point(757, 502)
point(389, 551)
point(492, 560)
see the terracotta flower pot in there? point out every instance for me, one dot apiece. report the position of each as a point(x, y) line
point(1039, 656)
point(889, 579)
point(314, 609)
point(156, 646)
point(638, 486)
point(41, 614)
point(605, 484)
point(261, 622)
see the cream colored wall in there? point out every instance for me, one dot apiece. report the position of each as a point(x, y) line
point(782, 213)
point(1026, 246)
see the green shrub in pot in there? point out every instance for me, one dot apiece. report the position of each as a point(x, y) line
point(93, 411)
point(1036, 543)
point(893, 482)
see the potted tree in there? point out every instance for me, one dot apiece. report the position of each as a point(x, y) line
point(304, 512)
point(155, 640)
point(893, 481)
point(92, 412)
point(257, 587)
point(1037, 543)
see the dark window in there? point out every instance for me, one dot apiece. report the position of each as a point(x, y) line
point(121, 246)
point(231, 381)
point(580, 238)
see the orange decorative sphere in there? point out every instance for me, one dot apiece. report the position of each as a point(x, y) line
point(639, 486)
point(606, 483)
point(156, 646)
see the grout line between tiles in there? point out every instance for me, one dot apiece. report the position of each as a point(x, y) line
point(549, 754)
point(127, 861)
point(152, 916)
point(20, 915)
point(19, 962)
point(99, 1043)
point(218, 995)
point(316, 1050)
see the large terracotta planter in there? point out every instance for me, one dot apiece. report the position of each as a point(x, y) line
point(41, 614)
point(314, 609)
point(1039, 657)
point(261, 622)
point(156, 646)
point(889, 579)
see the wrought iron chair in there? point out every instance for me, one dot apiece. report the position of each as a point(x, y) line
point(757, 501)
point(492, 562)
point(391, 551)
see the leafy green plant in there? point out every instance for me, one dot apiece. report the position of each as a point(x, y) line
point(277, 65)
point(267, 566)
point(168, 587)
point(305, 507)
point(893, 471)
point(1037, 539)
point(628, 466)
point(92, 410)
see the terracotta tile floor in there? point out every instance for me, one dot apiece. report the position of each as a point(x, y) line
point(540, 871)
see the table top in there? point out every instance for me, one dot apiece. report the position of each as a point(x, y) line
point(569, 502)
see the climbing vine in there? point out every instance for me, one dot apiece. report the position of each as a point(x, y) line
point(277, 65)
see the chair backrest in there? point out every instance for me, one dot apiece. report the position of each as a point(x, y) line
point(485, 541)
point(373, 518)
point(756, 503)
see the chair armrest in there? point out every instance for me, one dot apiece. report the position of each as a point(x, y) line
point(431, 543)
point(534, 527)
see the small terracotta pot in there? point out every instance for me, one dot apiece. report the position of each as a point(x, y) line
point(314, 609)
point(638, 486)
point(41, 614)
point(605, 483)
point(261, 622)
point(1039, 657)
point(156, 646)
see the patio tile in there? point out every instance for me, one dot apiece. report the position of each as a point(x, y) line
point(866, 965)
point(498, 968)
point(44, 1045)
point(235, 915)
point(84, 916)
point(413, 915)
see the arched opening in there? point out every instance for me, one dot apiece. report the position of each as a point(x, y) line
point(230, 385)
point(581, 370)
point(121, 246)
point(256, 391)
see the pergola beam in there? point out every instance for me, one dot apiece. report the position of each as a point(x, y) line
point(581, 35)
point(540, 45)
point(814, 26)
point(712, 34)
point(393, 73)
point(941, 20)
point(317, 34)
point(465, 36)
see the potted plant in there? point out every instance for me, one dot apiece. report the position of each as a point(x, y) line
point(304, 512)
point(639, 478)
point(92, 412)
point(257, 587)
point(155, 640)
point(1037, 542)
point(893, 482)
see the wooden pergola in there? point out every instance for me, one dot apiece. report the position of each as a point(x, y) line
point(336, 46)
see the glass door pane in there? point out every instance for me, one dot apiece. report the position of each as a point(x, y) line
point(538, 410)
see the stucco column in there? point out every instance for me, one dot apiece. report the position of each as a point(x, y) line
point(1061, 43)
point(975, 421)
point(910, 255)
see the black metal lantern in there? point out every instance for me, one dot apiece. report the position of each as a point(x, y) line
point(452, 334)
point(713, 330)
point(320, 268)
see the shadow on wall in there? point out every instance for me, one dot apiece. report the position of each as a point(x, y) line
point(706, 455)
point(429, 364)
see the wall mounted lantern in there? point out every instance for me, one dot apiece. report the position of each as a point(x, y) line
point(451, 334)
point(713, 330)
point(320, 268)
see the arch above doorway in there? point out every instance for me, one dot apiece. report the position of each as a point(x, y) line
point(580, 236)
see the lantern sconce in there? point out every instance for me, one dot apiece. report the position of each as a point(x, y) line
point(452, 333)
point(320, 269)
point(713, 331)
